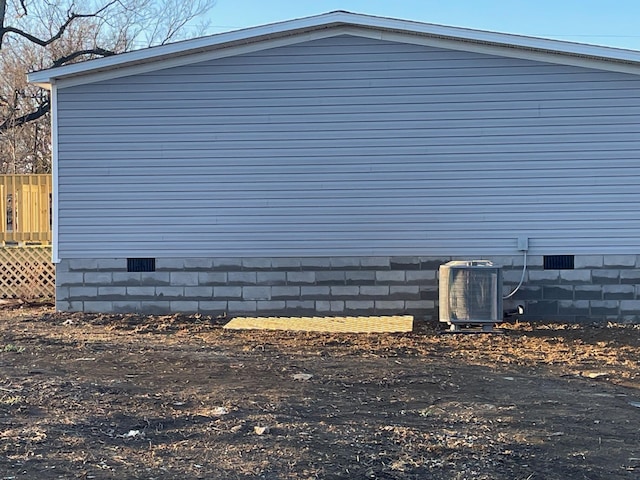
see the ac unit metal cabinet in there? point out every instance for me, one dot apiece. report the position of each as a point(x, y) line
point(471, 293)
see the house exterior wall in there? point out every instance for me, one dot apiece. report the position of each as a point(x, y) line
point(350, 146)
point(345, 152)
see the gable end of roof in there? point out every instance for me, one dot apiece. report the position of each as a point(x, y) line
point(335, 23)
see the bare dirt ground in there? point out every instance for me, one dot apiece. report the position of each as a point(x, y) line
point(101, 396)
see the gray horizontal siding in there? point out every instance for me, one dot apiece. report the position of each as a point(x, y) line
point(350, 146)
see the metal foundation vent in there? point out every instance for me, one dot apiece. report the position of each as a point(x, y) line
point(558, 262)
point(141, 264)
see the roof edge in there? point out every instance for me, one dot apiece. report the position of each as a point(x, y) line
point(336, 18)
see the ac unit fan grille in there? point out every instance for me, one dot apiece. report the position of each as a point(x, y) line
point(470, 293)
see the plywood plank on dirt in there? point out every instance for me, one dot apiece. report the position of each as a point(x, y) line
point(363, 324)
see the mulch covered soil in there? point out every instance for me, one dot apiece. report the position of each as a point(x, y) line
point(122, 396)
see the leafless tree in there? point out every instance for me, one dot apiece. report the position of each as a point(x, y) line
point(38, 34)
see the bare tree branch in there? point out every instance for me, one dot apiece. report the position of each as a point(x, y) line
point(90, 51)
point(10, 123)
point(3, 12)
point(43, 43)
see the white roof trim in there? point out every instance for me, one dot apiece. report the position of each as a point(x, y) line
point(334, 19)
point(212, 54)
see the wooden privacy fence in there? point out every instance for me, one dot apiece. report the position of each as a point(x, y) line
point(25, 209)
point(26, 269)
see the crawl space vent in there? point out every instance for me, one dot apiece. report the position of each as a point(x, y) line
point(558, 262)
point(141, 264)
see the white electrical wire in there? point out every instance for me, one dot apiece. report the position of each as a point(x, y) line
point(524, 270)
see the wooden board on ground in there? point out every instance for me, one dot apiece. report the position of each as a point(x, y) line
point(381, 324)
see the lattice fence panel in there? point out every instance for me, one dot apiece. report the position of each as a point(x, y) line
point(27, 273)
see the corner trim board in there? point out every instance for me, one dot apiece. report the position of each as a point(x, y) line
point(54, 172)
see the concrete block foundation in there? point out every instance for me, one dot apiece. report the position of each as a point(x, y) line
point(601, 288)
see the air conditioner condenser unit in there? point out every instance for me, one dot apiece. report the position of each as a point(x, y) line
point(470, 293)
